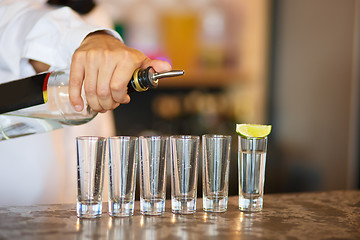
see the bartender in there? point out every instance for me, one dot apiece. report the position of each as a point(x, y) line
point(36, 36)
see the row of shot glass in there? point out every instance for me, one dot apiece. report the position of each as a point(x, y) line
point(152, 152)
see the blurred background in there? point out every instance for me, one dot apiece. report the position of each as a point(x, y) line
point(292, 64)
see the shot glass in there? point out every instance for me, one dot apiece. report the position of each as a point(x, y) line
point(184, 153)
point(90, 175)
point(215, 174)
point(122, 175)
point(252, 159)
point(153, 152)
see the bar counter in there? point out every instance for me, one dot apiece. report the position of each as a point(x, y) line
point(320, 215)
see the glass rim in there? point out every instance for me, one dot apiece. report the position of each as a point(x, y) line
point(154, 137)
point(185, 137)
point(210, 135)
point(90, 138)
point(122, 138)
point(252, 138)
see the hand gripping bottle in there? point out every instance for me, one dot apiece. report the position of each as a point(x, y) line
point(40, 103)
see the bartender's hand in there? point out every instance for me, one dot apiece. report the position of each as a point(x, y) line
point(105, 65)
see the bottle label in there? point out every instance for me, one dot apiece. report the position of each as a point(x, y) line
point(45, 84)
point(24, 93)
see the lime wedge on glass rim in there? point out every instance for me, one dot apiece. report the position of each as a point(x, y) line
point(253, 130)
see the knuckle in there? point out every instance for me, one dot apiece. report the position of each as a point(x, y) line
point(116, 86)
point(129, 55)
point(102, 92)
point(77, 56)
point(92, 55)
point(90, 91)
point(108, 55)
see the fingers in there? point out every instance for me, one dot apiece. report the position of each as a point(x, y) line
point(105, 84)
point(75, 85)
point(90, 86)
point(104, 65)
point(103, 91)
point(118, 84)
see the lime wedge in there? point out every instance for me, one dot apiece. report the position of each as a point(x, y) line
point(253, 130)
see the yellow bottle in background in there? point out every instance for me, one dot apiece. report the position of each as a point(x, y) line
point(180, 38)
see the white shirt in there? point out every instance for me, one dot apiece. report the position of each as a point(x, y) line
point(41, 169)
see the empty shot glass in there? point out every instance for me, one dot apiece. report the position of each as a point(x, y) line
point(252, 159)
point(90, 175)
point(122, 175)
point(215, 174)
point(153, 153)
point(184, 153)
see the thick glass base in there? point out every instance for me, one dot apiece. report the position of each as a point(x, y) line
point(152, 207)
point(121, 209)
point(215, 204)
point(183, 205)
point(251, 204)
point(91, 210)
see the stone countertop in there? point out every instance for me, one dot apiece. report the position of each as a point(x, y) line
point(322, 215)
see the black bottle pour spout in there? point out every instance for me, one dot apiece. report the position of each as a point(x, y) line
point(147, 78)
point(30, 91)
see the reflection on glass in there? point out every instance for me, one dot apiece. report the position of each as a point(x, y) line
point(90, 175)
point(184, 160)
point(122, 175)
point(252, 159)
point(153, 152)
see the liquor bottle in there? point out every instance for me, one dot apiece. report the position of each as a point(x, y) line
point(40, 103)
point(213, 35)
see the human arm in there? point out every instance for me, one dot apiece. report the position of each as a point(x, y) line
point(104, 65)
point(34, 32)
point(39, 37)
